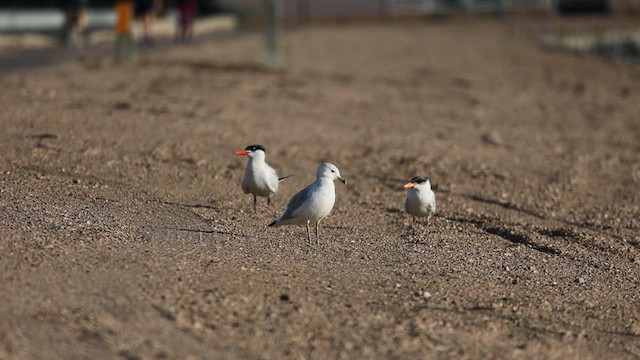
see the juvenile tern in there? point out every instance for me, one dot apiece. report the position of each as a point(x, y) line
point(421, 200)
point(313, 203)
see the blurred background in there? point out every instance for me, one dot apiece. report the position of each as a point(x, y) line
point(37, 24)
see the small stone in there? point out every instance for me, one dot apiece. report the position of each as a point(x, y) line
point(122, 105)
point(589, 305)
point(581, 280)
point(284, 297)
point(492, 138)
point(426, 295)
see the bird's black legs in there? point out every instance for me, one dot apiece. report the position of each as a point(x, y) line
point(255, 204)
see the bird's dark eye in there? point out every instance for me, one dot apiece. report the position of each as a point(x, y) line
point(333, 171)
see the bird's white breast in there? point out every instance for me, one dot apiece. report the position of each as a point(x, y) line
point(319, 202)
point(259, 179)
point(420, 203)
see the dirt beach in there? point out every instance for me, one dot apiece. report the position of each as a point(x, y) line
point(124, 232)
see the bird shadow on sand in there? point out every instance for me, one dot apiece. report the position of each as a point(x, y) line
point(393, 210)
point(502, 230)
point(192, 206)
point(507, 205)
point(412, 231)
point(340, 227)
point(417, 232)
point(211, 66)
point(540, 215)
point(201, 231)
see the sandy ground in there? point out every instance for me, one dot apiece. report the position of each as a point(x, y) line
point(124, 232)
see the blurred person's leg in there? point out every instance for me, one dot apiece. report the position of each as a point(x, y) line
point(190, 18)
point(70, 21)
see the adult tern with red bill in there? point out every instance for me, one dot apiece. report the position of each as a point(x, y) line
point(259, 179)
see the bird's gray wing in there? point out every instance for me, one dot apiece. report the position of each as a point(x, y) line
point(273, 179)
point(296, 201)
point(432, 204)
point(246, 179)
point(245, 185)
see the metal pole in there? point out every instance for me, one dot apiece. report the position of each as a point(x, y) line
point(382, 9)
point(273, 33)
point(124, 37)
point(304, 11)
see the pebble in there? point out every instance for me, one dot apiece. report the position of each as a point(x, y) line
point(492, 138)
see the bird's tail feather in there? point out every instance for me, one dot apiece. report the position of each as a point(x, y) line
point(284, 177)
point(273, 223)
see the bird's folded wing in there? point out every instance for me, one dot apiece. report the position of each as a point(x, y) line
point(295, 203)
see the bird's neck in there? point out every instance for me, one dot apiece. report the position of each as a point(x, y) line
point(323, 180)
point(258, 158)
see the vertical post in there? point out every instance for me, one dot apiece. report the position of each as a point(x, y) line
point(382, 9)
point(304, 11)
point(124, 37)
point(273, 33)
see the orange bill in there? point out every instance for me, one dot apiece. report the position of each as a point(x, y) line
point(241, 153)
point(409, 185)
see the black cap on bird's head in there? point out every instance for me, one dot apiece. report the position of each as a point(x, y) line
point(255, 148)
point(417, 180)
point(250, 149)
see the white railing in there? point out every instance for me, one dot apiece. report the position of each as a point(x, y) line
point(416, 7)
point(49, 19)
